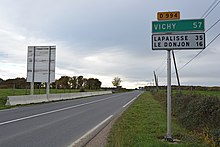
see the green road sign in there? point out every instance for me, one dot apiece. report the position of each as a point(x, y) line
point(170, 26)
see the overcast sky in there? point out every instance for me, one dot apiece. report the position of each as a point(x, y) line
point(104, 39)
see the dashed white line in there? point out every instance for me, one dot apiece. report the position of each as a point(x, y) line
point(54, 111)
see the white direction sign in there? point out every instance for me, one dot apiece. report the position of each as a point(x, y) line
point(41, 64)
point(178, 41)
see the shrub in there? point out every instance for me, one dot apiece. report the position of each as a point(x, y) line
point(3, 100)
point(199, 113)
point(81, 89)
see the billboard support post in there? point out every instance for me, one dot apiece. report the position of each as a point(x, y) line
point(33, 70)
point(32, 88)
point(49, 62)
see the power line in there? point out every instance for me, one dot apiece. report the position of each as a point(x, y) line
point(213, 39)
point(209, 8)
point(162, 70)
point(205, 32)
point(199, 52)
point(194, 56)
point(162, 64)
point(206, 14)
point(212, 9)
point(212, 25)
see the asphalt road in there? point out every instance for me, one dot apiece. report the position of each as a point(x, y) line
point(58, 124)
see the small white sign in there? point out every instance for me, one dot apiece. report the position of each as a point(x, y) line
point(178, 41)
point(41, 64)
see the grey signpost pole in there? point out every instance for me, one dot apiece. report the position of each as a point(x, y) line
point(49, 62)
point(169, 127)
point(33, 71)
point(165, 37)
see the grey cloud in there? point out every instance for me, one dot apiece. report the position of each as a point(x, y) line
point(104, 37)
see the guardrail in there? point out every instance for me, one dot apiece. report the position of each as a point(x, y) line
point(29, 99)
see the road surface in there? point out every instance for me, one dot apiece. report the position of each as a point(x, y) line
point(58, 124)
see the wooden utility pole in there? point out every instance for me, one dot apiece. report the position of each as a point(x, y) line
point(177, 75)
point(156, 81)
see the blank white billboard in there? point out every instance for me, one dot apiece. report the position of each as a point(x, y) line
point(41, 63)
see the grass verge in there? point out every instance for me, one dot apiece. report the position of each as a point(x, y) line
point(144, 125)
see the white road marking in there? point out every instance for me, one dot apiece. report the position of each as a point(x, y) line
point(54, 111)
point(8, 109)
point(90, 131)
point(131, 101)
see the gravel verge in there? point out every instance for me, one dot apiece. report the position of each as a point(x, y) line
point(101, 139)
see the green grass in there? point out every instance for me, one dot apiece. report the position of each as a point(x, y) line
point(209, 93)
point(144, 125)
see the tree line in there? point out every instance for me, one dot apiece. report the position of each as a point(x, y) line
point(65, 82)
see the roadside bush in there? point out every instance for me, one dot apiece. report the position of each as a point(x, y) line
point(199, 113)
point(81, 89)
point(3, 101)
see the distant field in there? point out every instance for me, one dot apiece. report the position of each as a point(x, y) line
point(208, 93)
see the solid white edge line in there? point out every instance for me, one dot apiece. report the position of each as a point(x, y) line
point(49, 112)
point(10, 109)
point(131, 101)
point(90, 131)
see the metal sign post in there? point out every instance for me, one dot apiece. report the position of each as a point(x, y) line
point(169, 126)
point(174, 34)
